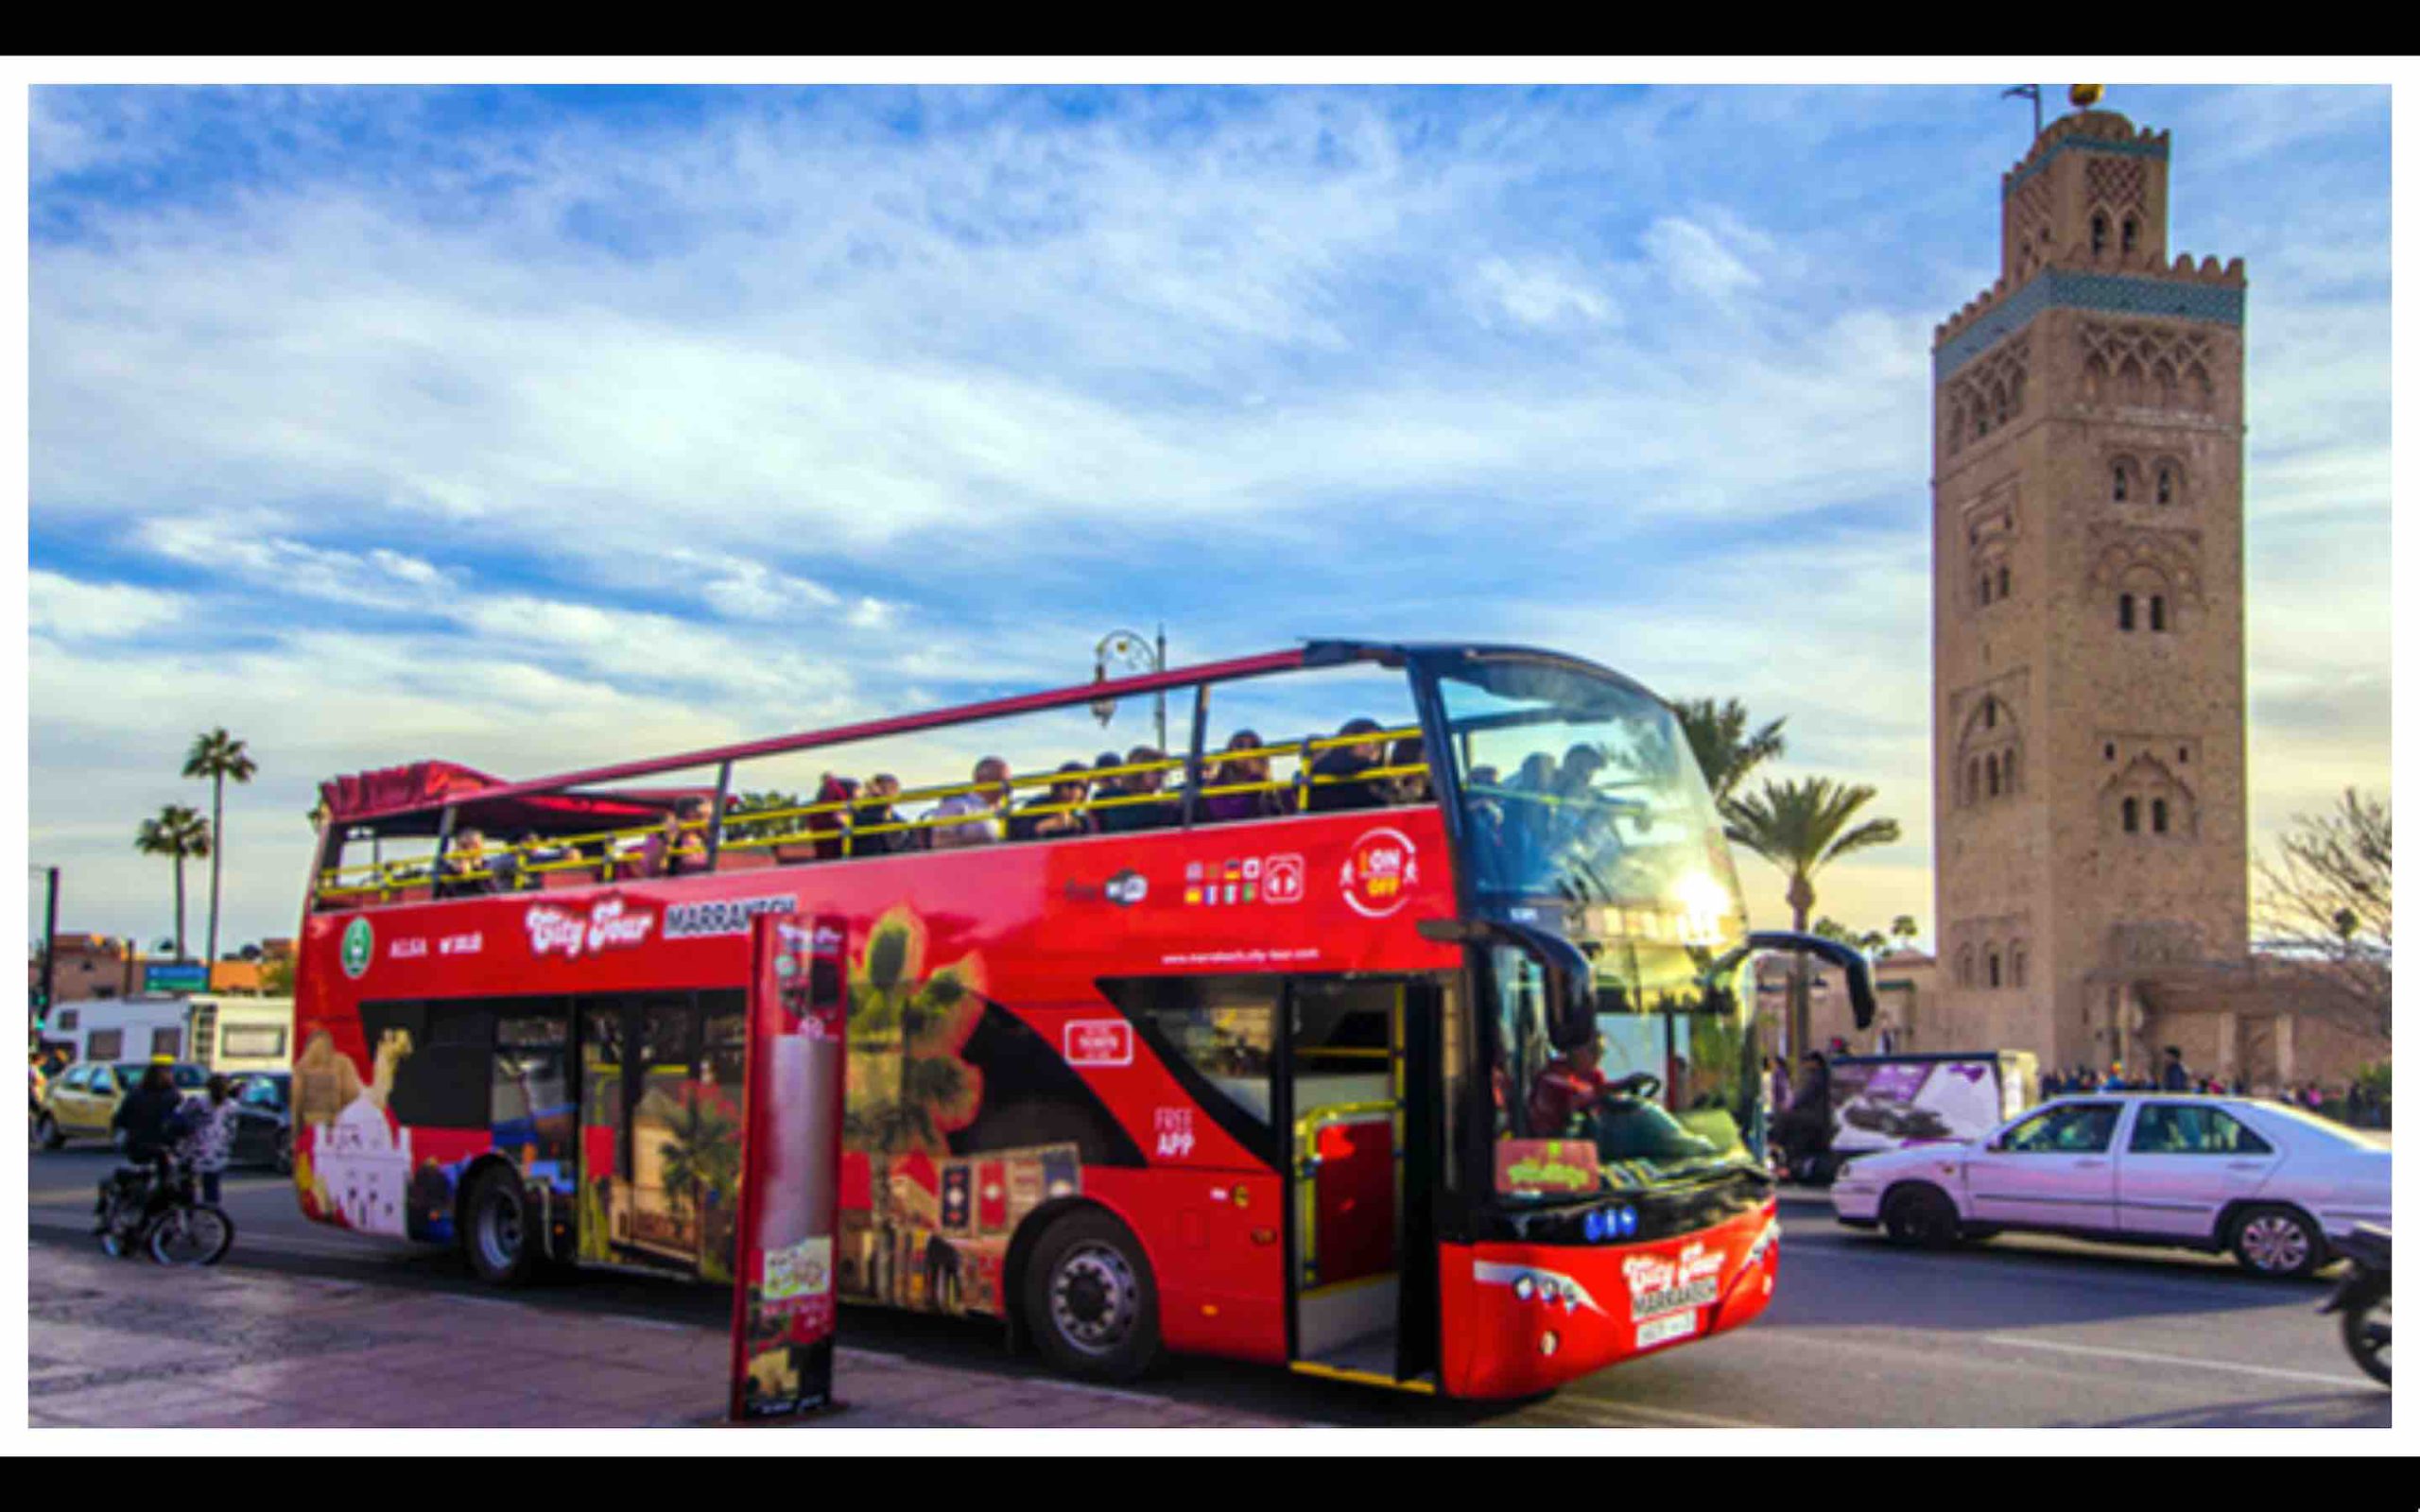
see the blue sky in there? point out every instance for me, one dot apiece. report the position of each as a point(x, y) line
point(537, 427)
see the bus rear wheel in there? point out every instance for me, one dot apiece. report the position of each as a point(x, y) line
point(498, 1236)
point(47, 1133)
point(1090, 1301)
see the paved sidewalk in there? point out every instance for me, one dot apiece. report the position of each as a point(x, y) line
point(126, 1343)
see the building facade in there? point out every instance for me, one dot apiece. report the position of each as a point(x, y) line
point(2089, 803)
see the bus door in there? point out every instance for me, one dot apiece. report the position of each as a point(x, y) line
point(1361, 1273)
point(660, 1128)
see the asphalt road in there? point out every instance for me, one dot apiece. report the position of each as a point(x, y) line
point(2017, 1333)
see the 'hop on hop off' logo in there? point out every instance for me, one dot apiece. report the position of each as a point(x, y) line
point(1379, 873)
point(359, 945)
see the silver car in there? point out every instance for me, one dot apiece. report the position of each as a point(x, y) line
point(2267, 1182)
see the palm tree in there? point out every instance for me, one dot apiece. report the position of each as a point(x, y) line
point(219, 756)
point(177, 832)
point(1727, 751)
point(1802, 827)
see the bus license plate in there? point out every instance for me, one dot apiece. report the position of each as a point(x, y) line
point(1657, 1330)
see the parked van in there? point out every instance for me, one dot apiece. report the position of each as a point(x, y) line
point(233, 1034)
point(136, 1029)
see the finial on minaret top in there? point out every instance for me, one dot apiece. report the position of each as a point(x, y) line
point(2083, 96)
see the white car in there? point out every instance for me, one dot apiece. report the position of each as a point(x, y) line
point(2269, 1182)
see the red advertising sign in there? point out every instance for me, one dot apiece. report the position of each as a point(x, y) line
point(784, 1309)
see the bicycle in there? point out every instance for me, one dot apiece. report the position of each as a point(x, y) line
point(154, 1210)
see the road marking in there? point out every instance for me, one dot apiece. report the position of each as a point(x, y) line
point(652, 1323)
point(1578, 1408)
point(2140, 1358)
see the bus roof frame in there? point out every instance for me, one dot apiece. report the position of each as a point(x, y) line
point(1311, 654)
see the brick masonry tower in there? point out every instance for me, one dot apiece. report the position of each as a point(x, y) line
point(2089, 824)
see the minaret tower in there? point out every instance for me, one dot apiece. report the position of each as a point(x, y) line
point(2089, 842)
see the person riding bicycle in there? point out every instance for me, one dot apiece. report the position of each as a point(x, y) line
point(153, 1119)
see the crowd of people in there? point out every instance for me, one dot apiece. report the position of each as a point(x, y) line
point(1144, 789)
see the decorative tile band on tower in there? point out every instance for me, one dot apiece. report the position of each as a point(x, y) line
point(2109, 293)
point(2129, 146)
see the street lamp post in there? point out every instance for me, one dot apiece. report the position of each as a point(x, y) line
point(1130, 655)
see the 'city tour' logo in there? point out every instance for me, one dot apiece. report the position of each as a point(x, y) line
point(610, 923)
point(359, 945)
point(1379, 873)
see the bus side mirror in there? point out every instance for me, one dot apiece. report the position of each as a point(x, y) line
point(1848, 958)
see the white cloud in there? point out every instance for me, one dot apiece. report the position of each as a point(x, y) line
point(75, 610)
point(1689, 256)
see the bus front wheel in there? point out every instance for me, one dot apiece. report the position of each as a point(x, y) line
point(1089, 1299)
point(498, 1235)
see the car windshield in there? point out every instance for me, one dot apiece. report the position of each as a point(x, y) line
point(1578, 786)
point(187, 1078)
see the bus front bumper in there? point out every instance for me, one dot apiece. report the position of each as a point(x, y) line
point(1524, 1318)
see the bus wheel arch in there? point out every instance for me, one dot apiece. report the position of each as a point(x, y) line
point(1081, 1287)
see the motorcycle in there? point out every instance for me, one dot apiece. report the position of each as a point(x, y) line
point(153, 1208)
point(2363, 1298)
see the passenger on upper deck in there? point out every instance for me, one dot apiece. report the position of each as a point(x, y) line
point(1064, 797)
point(467, 872)
point(830, 827)
point(979, 824)
point(873, 813)
point(679, 846)
point(1408, 786)
point(1336, 781)
point(1143, 812)
point(1236, 771)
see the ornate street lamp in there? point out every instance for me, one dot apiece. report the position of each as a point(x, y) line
point(1129, 655)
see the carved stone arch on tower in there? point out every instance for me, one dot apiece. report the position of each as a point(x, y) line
point(2125, 478)
point(2145, 577)
point(2160, 804)
point(2167, 480)
point(1989, 744)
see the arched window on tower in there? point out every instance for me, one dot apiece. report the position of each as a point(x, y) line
point(2016, 965)
point(2159, 816)
point(1983, 589)
point(2099, 233)
point(2008, 769)
point(2126, 235)
point(2003, 582)
point(2117, 482)
point(1992, 774)
point(2125, 612)
point(2166, 490)
point(2159, 612)
point(2131, 814)
point(1992, 965)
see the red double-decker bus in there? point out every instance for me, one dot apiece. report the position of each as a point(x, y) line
point(1407, 1044)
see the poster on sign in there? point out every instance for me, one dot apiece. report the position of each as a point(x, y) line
point(784, 1302)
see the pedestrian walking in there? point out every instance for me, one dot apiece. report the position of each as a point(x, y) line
point(2172, 1078)
point(212, 1137)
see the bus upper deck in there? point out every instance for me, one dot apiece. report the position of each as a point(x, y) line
point(575, 830)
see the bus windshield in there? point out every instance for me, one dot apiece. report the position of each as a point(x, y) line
point(1661, 1086)
point(1579, 787)
point(1584, 812)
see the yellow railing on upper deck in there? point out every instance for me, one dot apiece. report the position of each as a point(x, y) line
point(608, 852)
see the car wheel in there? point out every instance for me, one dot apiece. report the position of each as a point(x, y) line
point(2271, 1241)
point(1089, 1301)
point(48, 1131)
point(498, 1236)
point(1921, 1216)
